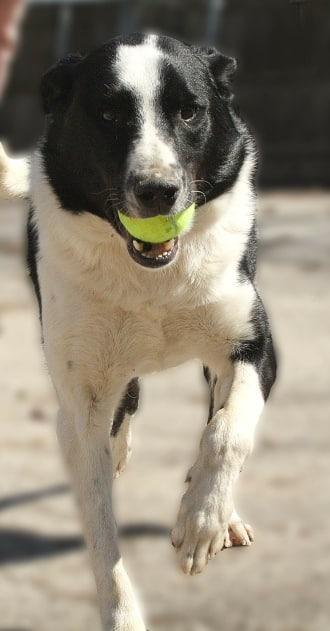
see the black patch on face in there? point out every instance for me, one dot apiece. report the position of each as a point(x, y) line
point(213, 145)
point(89, 136)
point(128, 405)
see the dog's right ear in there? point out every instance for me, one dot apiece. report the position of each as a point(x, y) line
point(57, 83)
point(222, 68)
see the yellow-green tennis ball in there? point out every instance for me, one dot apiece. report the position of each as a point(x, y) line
point(159, 228)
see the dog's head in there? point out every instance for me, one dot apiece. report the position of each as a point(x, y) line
point(143, 125)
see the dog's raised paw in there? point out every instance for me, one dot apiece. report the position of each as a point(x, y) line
point(200, 530)
point(199, 535)
point(198, 543)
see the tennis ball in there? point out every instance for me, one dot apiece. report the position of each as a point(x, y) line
point(159, 228)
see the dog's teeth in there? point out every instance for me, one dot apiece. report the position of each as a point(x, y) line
point(149, 250)
point(169, 245)
point(138, 246)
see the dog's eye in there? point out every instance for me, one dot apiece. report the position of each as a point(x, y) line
point(189, 113)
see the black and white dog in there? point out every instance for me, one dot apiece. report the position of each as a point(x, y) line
point(145, 124)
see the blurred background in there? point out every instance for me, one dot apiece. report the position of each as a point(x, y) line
point(281, 583)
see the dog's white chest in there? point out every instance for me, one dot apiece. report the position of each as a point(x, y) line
point(106, 316)
point(152, 339)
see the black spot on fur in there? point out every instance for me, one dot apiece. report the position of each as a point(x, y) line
point(207, 373)
point(211, 403)
point(212, 381)
point(128, 405)
point(259, 349)
point(248, 261)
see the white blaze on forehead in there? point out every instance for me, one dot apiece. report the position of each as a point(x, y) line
point(138, 69)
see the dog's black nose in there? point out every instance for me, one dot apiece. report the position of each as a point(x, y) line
point(156, 195)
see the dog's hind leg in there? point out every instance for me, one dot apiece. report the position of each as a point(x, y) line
point(121, 433)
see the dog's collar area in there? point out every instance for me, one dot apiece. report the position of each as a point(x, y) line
point(152, 255)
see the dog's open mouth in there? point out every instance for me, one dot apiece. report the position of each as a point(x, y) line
point(152, 254)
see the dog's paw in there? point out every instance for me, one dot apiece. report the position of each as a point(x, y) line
point(195, 542)
point(202, 524)
point(238, 533)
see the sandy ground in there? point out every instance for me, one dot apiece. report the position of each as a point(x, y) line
point(281, 583)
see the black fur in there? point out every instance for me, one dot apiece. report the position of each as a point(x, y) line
point(248, 263)
point(213, 382)
point(128, 405)
point(32, 256)
point(259, 350)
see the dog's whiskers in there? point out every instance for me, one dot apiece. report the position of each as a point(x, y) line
point(106, 190)
point(200, 181)
point(114, 202)
point(200, 193)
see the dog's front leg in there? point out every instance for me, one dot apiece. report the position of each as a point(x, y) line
point(84, 439)
point(207, 506)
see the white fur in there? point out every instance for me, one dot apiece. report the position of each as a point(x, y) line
point(14, 176)
point(138, 69)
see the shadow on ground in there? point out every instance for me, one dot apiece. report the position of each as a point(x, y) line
point(23, 545)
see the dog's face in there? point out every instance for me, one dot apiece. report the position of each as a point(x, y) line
point(142, 125)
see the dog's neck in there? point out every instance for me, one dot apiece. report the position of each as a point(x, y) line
point(86, 251)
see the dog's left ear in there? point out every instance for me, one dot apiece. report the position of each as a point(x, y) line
point(56, 84)
point(221, 67)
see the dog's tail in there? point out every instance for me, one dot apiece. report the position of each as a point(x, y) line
point(14, 176)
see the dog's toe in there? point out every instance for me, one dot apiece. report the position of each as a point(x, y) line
point(238, 533)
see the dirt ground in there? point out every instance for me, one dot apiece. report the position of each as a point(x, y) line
point(281, 583)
